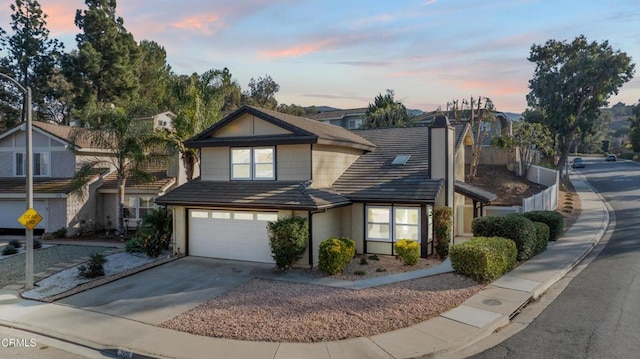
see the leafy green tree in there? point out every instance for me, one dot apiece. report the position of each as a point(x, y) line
point(230, 90)
point(262, 93)
point(31, 58)
point(107, 66)
point(296, 110)
point(634, 128)
point(132, 147)
point(155, 74)
point(572, 81)
point(198, 103)
point(386, 112)
point(590, 138)
point(531, 140)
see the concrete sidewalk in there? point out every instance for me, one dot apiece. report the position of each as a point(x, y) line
point(475, 319)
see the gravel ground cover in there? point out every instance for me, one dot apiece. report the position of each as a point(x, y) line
point(264, 310)
point(69, 278)
point(13, 268)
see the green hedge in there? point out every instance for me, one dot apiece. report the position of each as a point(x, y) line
point(335, 254)
point(553, 219)
point(288, 238)
point(484, 259)
point(513, 226)
point(408, 251)
point(542, 235)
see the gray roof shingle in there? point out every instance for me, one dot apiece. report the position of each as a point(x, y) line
point(373, 177)
point(252, 194)
point(303, 129)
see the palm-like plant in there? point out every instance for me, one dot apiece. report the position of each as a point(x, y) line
point(130, 147)
point(199, 101)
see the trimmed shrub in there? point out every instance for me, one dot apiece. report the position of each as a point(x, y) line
point(60, 233)
point(484, 259)
point(94, 267)
point(335, 254)
point(542, 235)
point(15, 243)
point(8, 250)
point(408, 251)
point(513, 226)
point(288, 238)
point(442, 230)
point(37, 244)
point(553, 219)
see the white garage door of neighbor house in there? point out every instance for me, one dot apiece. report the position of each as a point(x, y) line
point(11, 210)
point(230, 235)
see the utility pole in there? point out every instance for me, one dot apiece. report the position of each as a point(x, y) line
point(29, 175)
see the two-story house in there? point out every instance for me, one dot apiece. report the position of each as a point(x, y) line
point(56, 157)
point(373, 186)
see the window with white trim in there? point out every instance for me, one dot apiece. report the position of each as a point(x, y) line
point(253, 163)
point(40, 164)
point(391, 224)
point(137, 206)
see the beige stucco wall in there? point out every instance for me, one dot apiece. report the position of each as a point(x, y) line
point(249, 125)
point(355, 225)
point(327, 225)
point(293, 162)
point(179, 229)
point(330, 162)
point(215, 164)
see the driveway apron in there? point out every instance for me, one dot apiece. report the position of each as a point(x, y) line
point(160, 293)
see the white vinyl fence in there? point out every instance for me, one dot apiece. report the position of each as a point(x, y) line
point(546, 200)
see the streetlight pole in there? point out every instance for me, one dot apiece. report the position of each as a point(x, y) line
point(29, 164)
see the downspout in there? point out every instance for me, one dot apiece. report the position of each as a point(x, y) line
point(310, 245)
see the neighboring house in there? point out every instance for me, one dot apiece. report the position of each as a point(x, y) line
point(373, 186)
point(351, 119)
point(55, 161)
point(162, 120)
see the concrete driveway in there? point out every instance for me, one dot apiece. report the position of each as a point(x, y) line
point(163, 292)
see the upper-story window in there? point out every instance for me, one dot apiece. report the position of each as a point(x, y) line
point(253, 163)
point(355, 123)
point(40, 164)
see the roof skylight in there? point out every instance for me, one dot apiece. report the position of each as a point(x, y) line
point(400, 160)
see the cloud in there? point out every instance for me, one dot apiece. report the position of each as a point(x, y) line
point(203, 24)
point(61, 16)
point(328, 42)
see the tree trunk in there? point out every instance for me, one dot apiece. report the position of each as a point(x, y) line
point(121, 186)
point(189, 160)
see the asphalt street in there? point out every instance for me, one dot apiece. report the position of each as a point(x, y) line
point(598, 313)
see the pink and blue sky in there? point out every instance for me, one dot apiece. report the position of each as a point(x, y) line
point(343, 53)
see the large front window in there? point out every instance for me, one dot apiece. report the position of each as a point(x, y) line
point(391, 224)
point(136, 207)
point(253, 163)
point(40, 164)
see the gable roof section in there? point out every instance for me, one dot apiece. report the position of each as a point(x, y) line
point(475, 193)
point(303, 130)
point(373, 177)
point(252, 194)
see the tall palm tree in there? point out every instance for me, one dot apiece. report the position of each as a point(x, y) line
point(199, 100)
point(131, 147)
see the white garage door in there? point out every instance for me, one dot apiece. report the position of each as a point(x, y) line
point(230, 235)
point(11, 210)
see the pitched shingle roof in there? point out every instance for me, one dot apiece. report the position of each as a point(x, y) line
point(40, 185)
point(161, 182)
point(304, 131)
point(252, 194)
point(65, 133)
point(373, 177)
